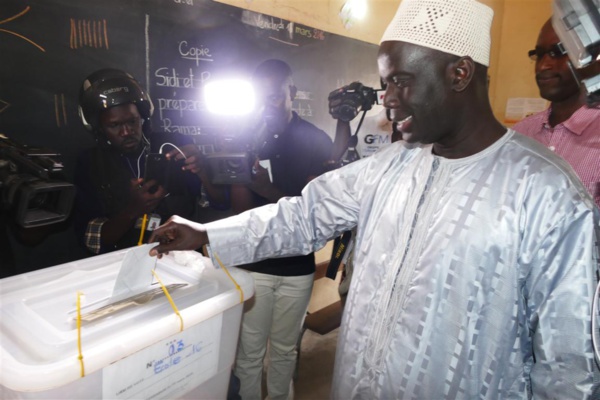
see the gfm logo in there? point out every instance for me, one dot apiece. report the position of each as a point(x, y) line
point(378, 139)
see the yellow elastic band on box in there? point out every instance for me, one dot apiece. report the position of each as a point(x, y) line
point(239, 289)
point(163, 287)
point(80, 356)
point(142, 230)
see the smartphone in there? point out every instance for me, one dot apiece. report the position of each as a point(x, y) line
point(157, 168)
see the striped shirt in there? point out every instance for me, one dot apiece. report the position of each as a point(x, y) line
point(577, 140)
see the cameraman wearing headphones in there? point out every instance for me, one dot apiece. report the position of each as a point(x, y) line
point(115, 207)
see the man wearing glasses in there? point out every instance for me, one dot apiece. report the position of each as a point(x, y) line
point(569, 127)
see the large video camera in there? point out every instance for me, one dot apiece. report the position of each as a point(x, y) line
point(230, 168)
point(577, 24)
point(29, 185)
point(346, 102)
point(234, 161)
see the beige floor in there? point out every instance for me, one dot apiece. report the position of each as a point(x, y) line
point(316, 366)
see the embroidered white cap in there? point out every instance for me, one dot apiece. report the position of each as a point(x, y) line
point(459, 27)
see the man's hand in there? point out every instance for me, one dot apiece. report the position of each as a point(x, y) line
point(260, 178)
point(178, 234)
point(142, 197)
point(194, 162)
point(261, 184)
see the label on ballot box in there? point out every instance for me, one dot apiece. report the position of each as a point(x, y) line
point(167, 369)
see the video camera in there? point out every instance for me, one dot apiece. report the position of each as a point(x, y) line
point(29, 188)
point(234, 163)
point(577, 24)
point(347, 101)
point(230, 168)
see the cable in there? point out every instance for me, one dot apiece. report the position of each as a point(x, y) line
point(138, 162)
point(137, 175)
point(171, 144)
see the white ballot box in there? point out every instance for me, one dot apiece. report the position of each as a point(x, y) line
point(138, 346)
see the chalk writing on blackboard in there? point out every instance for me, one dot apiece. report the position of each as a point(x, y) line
point(194, 53)
point(279, 30)
point(266, 22)
point(168, 77)
point(282, 31)
point(302, 103)
point(304, 95)
point(88, 34)
point(3, 105)
point(303, 110)
point(167, 126)
point(181, 106)
point(60, 110)
point(310, 33)
point(18, 15)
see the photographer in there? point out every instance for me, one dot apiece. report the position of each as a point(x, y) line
point(353, 141)
point(115, 206)
point(296, 150)
point(372, 131)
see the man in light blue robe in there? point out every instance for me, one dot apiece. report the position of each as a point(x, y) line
point(476, 249)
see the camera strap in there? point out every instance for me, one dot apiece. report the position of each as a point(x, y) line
point(351, 154)
point(340, 245)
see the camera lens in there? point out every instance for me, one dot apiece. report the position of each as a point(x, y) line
point(233, 165)
point(39, 200)
point(347, 112)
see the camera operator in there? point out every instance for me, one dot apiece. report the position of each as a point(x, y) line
point(115, 207)
point(297, 151)
point(372, 133)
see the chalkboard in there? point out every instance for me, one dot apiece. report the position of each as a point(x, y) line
point(173, 47)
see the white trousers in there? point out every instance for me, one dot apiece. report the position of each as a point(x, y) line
point(277, 315)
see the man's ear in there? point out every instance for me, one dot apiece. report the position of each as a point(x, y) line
point(293, 92)
point(462, 72)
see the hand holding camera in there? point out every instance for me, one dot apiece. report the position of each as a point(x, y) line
point(189, 158)
point(163, 167)
point(347, 101)
point(144, 196)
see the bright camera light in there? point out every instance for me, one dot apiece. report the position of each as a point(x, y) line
point(359, 9)
point(353, 10)
point(229, 97)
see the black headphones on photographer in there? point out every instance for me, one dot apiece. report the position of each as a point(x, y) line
point(107, 88)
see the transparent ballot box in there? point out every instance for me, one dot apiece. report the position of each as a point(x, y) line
point(64, 335)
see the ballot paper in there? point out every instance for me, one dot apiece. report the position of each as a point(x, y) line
point(132, 301)
point(135, 275)
point(266, 164)
point(135, 285)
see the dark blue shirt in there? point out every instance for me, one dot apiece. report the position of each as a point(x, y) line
point(295, 155)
